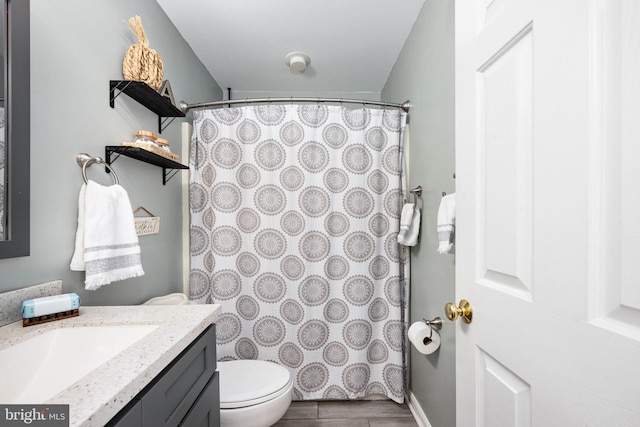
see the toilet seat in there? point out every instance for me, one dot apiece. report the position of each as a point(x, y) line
point(251, 382)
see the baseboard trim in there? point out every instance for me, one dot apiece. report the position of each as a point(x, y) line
point(417, 411)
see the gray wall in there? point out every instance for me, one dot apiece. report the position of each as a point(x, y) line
point(77, 46)
point(424, 73)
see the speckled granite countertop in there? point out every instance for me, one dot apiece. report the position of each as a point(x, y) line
point(100, 395)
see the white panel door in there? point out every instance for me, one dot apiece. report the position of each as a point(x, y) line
point(548, 212)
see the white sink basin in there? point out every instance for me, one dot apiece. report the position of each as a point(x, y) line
point(35, 370)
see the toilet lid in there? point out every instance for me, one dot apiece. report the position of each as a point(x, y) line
point(249, 382)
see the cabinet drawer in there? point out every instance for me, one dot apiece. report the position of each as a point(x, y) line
point(175, 390)
point(206, 411)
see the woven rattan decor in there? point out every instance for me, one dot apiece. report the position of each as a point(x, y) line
point(142, 63)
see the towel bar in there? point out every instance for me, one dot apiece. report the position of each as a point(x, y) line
point(84, 160)
point(417, 192)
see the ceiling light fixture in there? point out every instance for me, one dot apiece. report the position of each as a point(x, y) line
point(297, 62)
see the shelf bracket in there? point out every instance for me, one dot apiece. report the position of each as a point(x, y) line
point(113, 86)
point(164, 122)
point(108, 160)
point(166, 176)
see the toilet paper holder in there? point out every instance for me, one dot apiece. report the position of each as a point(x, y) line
point(435, 323)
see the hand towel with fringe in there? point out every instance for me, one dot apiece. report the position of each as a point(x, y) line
point(409, 225)
point(446, 225)
point(106, 245)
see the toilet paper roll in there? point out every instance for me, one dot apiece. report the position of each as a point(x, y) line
point(423, 337)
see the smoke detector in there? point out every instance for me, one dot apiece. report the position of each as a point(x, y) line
point(297, 62)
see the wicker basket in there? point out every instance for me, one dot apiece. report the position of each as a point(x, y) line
point(142, 63)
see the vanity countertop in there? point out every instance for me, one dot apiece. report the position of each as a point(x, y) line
point(100, 395)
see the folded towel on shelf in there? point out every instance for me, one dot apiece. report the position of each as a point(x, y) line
point(446, 224)
point(106, 245)
point(409, 225)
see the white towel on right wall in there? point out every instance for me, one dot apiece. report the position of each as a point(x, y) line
point(446, 225)
point(409, 225)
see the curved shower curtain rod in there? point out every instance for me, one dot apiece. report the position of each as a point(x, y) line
point(184, 107)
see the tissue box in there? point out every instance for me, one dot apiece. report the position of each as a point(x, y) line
point(49, 305)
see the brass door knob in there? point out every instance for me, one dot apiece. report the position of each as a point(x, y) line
point(464, 310)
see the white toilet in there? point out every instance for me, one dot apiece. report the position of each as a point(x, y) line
point(253, 393)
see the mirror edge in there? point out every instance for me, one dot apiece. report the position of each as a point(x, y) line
point(17, 121)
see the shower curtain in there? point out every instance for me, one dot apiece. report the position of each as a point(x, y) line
point(294, 218)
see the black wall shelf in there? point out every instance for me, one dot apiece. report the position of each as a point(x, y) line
point(145, 95)
point(169, 167)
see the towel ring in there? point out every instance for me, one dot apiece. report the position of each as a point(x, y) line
point(417, 192)
point(85, 160)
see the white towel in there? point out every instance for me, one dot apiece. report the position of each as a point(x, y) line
point(447, 224)
point(409, 225)
point(405, 221)
point(106, 246)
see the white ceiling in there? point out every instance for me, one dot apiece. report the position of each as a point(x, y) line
point(353, 44)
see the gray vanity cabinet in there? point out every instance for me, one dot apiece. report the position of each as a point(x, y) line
point(186, 393)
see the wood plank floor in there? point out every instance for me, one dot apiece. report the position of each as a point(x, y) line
point(357, 413)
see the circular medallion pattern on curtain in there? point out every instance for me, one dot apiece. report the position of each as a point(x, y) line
point(295, 212)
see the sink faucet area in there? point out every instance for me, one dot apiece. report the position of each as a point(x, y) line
point(99, 361)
